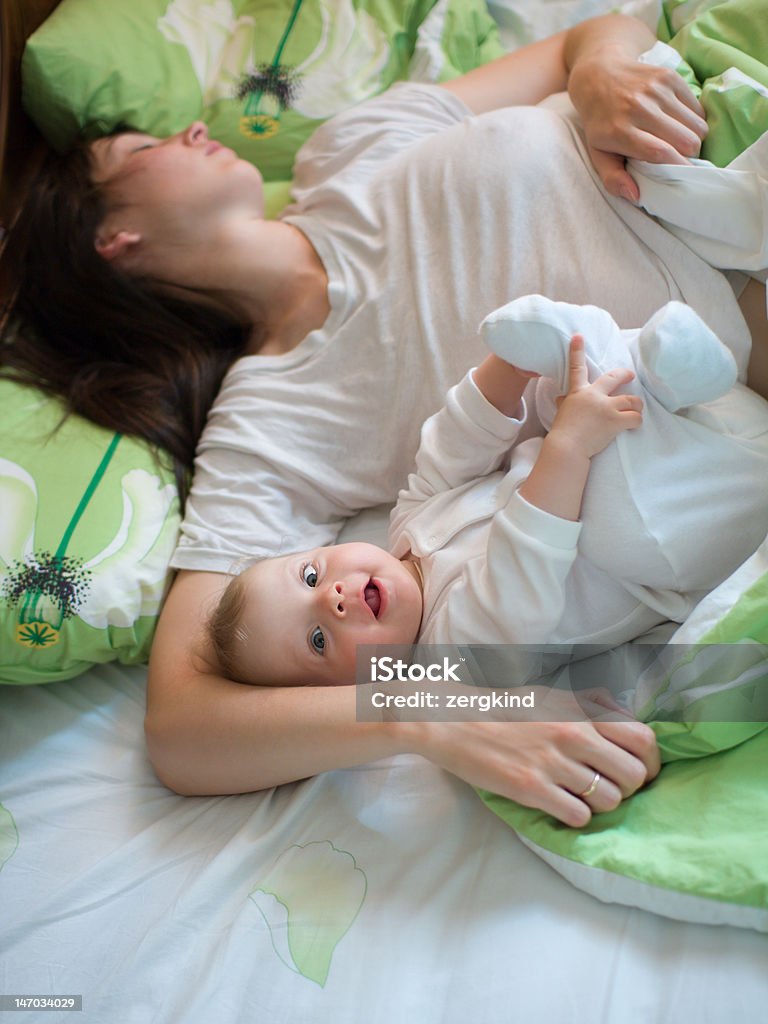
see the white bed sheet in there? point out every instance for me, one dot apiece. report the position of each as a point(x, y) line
point(424, 907)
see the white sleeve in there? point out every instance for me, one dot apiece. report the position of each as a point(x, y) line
point(514, 593)
point(267, 479)
point(370, 132)
point(467, 439)
point(252, 508)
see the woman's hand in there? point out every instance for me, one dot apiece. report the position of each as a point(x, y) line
point(549, 765)
point(630, 109)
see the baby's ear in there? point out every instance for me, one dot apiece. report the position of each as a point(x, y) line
point(112, 246)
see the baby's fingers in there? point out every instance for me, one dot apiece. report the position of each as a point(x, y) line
point(612, 380)
point(629, 409)
point(631, 420)
point(630, 403)
point(577, 364)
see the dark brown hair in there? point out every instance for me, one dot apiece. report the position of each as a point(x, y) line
point(114, 347)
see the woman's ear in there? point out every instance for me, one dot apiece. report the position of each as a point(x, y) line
point(110, 247)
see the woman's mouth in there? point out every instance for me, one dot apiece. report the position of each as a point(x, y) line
point(372, 597)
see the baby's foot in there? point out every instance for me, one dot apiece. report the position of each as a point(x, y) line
point(680, 361)
point(534, 334)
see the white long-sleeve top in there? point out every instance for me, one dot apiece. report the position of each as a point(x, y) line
point(498, 570)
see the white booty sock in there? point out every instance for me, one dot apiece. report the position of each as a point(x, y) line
point(676, 357)
point(534, 334)
point(680, 361)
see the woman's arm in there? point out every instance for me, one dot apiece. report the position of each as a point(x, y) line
point(207, 735)
point(628, 109)
point(521, 78)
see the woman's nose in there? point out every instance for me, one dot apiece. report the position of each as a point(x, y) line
point(195, 133)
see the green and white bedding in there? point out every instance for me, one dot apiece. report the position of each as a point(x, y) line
point(694, 844)
point(386, 892)
point(379, 894)
point(724, 50)
point(718, 203)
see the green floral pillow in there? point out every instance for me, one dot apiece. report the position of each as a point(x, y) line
point(88, 523)
point(262, 74)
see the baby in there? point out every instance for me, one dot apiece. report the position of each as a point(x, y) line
point(591, 532)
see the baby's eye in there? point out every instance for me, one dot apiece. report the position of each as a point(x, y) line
point(309, 575)
point(317, 640)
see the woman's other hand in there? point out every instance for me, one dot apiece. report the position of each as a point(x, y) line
point(631, 109)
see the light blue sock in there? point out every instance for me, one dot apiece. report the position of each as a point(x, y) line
point(680, 361)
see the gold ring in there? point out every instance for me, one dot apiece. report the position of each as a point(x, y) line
point(591, 787)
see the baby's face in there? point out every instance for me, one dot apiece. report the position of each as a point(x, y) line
point(305, 614)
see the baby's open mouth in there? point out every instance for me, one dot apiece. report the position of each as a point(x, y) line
point(372, 597)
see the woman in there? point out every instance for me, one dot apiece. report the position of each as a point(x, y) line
point(390, 253)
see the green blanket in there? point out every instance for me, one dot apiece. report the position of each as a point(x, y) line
point(724, 47)
point(694, 843)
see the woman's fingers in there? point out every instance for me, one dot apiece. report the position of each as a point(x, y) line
point(599, 792)
point(638, 110)
point(612, 171)
point(687, 97)
point(641, 145)
point(682, 108)
point(666, 107)
point(549, 765)
point(638, 742)
point(598, 781)
point(664, 129)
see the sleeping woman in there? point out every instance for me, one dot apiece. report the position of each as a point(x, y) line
point(151, 277)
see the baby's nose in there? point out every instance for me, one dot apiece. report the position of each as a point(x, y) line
point(336, 597)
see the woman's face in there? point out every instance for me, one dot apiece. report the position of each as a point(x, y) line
point(180, 185)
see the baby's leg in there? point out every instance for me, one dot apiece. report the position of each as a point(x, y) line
point(676, 357)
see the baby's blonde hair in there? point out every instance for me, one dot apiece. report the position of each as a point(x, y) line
point(225, 627)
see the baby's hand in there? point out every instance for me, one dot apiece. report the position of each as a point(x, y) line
point(590, 416)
